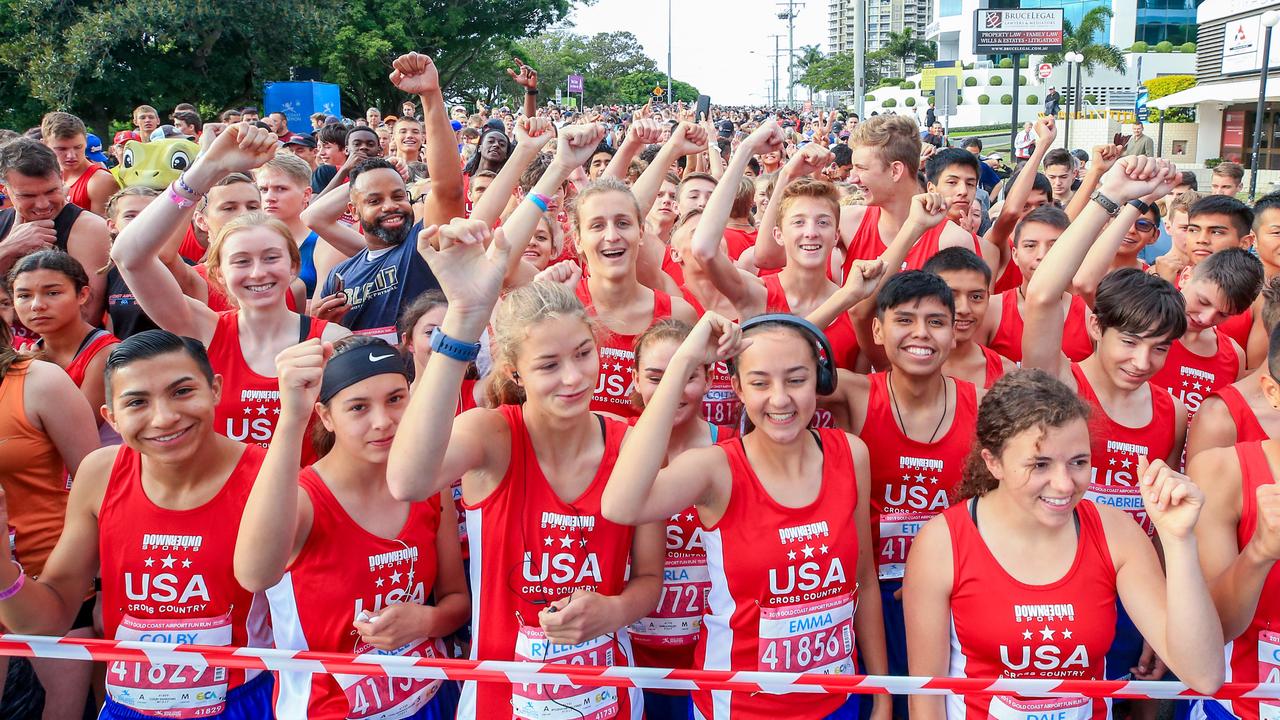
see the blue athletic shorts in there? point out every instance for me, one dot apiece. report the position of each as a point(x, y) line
point(658, 706)
point(250, 701)
point(895, 640)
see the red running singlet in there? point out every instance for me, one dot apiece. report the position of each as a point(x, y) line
point(1003, 628)
point(167, 576)
point(1191, 377)
point(1115, 449)
point(911, 481)
point(1248, 429)
point(1076, 344)
point(867, 245)
point(618, 359)
point(995, 367)
point(343, 572)
point(1254, 656)
point(840, 333)
point(530, 548)
point(78, 193)
point(1238, 327)
point(784, 586)
point(95, 342)
point(250, 404)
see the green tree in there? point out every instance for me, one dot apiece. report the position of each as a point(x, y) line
point(109, 57)
point(1081, 40)
point(637, 87)
point(600, 59)
point(906, 45)
point(807, 56)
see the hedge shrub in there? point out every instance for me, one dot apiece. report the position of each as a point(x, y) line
point(1159, 87)
point(984, 99)
point(1006, 63)
point(1164, 46)
point(1033, 100)
point(1139, 47)
point(971, 81)
point(995, 81)
point(909, 102)
point(907, 85)
point(889, 103)
point(1188, 47)
point(1022, 80)
point(1006, 99)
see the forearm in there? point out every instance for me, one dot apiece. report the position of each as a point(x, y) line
point(270, 519)
point(709, 234)
point(1097, 262)
point(715, 161)
point(1087, 185)
point(650, 182)
point(1054, 274)
point(495, 197)
point(769, 252)
point(39, 608)
point(522, 221)
point(142, 242)
point(530, 104)
point(445, 201)
point(1237, 590)
point(1192, 646)
point(868, 621)
point(638, 598)
point(621, 161)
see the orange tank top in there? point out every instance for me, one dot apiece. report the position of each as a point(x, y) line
point(32, 474)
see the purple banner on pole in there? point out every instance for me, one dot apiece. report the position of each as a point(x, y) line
point(575, 83)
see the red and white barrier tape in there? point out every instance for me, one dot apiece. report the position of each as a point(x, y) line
point(651, 678)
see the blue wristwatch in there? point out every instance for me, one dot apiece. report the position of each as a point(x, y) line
point(452, 348)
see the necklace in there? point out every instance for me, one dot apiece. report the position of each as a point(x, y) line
point(898, 412)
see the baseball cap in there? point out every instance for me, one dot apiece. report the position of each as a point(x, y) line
point(993, 156)
point(164, 132)
point(93, 149)
point(496, 124)
point(125, 136)
point(455, 125)
point(305, 140)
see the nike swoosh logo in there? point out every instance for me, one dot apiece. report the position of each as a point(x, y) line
point(377, 358)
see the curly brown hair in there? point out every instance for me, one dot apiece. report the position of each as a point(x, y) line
point(1021, 400)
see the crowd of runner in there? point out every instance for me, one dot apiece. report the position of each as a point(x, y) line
point(765, 390)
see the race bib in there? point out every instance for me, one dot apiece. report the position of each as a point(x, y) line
point(815, 637)
point(897, 531)
point(1007, 708)
point(1269, 671)
point(1124, 497)
point(388, 698)
point(171, 690)
point(563, 702)
point(720, 406)
point(678, 618)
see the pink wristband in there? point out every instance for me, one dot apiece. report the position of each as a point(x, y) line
point(178, 200)
point(17, 584)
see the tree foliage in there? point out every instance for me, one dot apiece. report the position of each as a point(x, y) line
point(905, 45)
point(1081, 40)
point(602, 60)
point(1159, 87)
point(637, 87)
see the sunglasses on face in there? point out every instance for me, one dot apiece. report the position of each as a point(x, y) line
point(1144, 225)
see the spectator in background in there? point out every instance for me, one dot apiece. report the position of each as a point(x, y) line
point(987, 177)
point(1024, 143)
point(317, 121)
point(930, 116)
point(145, 120)
point(229, 117)
point(250, 115)
point(1140, 144)
point(1051, 102)
point(1227, 179)
point(188, 123)
point(936, 136)
point(304, 146)
point(1187, 182)
point(373, 116)
point(279, 125)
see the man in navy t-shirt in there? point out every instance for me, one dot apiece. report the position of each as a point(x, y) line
point(389, 273)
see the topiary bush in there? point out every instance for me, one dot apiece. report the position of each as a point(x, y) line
point(971, 81)
point(1006, 99)
point(1091, 99)
point(1033, 100)
point(995, 81)
point(1139, 47)
point(1022, 80)
point(871, 98)
point(889, 103)
point(984, 99)
point(1188, 47)
point(1024, 62)
point(1164, 46)
point(909, 102)
point(907, 85)
point(1006, 63)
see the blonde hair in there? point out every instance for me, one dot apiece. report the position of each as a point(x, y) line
point(60, 126)
point(600, 187)
point(895, 137)
point(291, 165)
point(809, 188)
point(519, 311)
point(213, 256)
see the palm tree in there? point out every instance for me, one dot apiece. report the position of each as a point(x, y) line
point(1080, 39)
point(807, 56)
point(904, 45)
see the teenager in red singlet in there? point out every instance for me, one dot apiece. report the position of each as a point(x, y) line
point(156, 520)
point(1024, 575)
point(346, 567)
point(1136, 319)
point(552, 580)
point(89, 185)
point(969, 279)
point(1205, 358)
point(787, 567)
point(1239, 536)
point(808, 212)
point(667, 637)
point(255, 258)
point(50, 289)
point(1240, 412)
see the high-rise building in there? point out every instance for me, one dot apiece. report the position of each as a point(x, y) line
point(883, 17)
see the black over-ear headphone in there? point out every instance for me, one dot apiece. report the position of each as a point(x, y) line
point(826, 359)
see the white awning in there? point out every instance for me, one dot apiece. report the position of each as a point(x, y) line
point(1227, 93)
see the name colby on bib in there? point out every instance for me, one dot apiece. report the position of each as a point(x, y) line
point(783, 586)
point(1001, 627)
point(167, 577)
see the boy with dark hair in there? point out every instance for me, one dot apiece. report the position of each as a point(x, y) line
point(841, 163)
point(89, 185)
point(1217, 222)
point(331, 141)
point(970, 280)
point(1241, 412)
point(1060, 170)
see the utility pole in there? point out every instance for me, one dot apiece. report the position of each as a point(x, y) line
point(669, 99)
point(777, 53)
point(790, 16)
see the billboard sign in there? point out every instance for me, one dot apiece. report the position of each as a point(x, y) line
point(575, 83)
point(1002, 32)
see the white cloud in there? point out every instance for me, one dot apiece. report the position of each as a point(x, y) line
point(711, 40)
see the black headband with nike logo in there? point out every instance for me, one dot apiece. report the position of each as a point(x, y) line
point(360, 363)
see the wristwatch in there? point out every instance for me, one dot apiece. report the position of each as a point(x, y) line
point(453, 348)
point(1107, 203)
point(1141, 206)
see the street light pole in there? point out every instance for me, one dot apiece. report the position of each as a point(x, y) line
point(669, 99)
point(1269, 19)
point(1073, 59)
